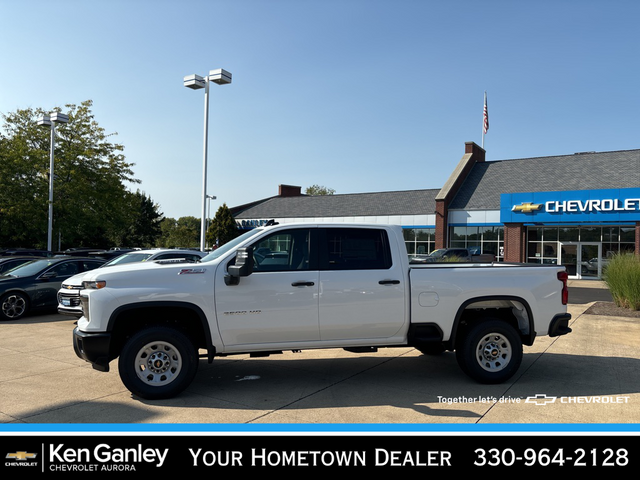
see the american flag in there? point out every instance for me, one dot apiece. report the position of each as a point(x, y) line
point(486, 115)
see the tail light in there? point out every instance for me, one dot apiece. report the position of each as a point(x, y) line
point(563, 277)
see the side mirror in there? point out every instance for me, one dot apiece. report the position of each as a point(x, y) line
point(243, 266)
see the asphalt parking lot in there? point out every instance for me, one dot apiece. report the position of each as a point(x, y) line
point(589, 376)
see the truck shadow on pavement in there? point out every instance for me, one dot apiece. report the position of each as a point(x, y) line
point(377, 389)
point(423, 384)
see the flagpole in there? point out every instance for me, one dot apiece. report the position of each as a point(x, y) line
point(485, 119)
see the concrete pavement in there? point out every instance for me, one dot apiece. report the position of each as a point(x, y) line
point(587, 377)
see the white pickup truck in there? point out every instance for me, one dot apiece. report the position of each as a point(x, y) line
point(311, 286)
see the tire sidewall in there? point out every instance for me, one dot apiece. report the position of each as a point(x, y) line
point(467, 356)
point(127, 363)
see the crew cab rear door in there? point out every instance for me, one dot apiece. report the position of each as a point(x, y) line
point(362, 289)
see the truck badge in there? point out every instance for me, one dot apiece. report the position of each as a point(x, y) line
point(191, 271)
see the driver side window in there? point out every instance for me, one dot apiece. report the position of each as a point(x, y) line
point(282, 252)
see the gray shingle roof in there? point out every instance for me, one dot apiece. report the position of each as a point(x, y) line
point(410, 202)
point(583, 171)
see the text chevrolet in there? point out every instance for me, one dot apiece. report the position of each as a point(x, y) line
point(310, 286)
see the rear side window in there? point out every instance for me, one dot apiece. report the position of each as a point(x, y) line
point(354, 249)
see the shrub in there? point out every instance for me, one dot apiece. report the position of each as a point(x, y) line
point(622, 276)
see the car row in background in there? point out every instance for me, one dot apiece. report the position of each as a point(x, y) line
point(34, 284)
point(30, 283)
point(69, 294)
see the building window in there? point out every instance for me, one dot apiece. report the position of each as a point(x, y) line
point(419, 241)
point(544, 243)
point(479, 240)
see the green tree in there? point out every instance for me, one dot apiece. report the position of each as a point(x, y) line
point(319, 190)
point(143, 225)
point(91, 199)
point(223, 227)
point(183, 232)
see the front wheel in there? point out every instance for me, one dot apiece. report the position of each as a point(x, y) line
point(13, 306)
point(490, 351)
point(158, 363)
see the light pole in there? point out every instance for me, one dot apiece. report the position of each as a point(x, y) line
point(50, 121)
point(209, 197)
point(196, 82)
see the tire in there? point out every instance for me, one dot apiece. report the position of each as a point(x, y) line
point(13, 306)
point(490, 351)
point(158, 363)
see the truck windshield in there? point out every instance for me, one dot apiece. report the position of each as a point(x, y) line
point(231, 245)
point(438, 253)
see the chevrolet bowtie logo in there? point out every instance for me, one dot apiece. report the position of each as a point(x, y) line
point(540, 399)
point(527, 207)
point(21, 455)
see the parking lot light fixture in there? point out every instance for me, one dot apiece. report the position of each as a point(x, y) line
point(50, 122)
point(196, 82)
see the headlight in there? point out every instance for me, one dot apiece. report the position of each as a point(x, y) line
point(94, 285)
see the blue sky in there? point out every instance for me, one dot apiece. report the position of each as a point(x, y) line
point(356, 95)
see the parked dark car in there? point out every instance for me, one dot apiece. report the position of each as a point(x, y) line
point(32, 252)
point(35, 284)
point(8, 263)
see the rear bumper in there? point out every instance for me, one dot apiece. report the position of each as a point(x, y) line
point(560, 325)
point(93, 348)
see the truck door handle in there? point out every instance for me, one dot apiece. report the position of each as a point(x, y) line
point(302, 284)
point(389, 282)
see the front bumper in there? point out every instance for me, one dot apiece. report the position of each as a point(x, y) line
point(560, 325)
point(74, 312)
point(93, 348)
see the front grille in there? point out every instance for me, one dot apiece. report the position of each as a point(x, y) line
point(70, 298)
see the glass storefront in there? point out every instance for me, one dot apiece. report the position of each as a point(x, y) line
point(584, 250)
point(479, 240)
point(419, 241)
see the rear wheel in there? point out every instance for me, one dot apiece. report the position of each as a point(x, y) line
point(158, 363)
point(490, 351)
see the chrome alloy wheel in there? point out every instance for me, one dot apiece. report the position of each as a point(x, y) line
point(13, 306)
point(158, 363)
point(494, 352)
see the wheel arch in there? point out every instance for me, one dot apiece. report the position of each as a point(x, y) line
point(478, 307)
point(129, 319)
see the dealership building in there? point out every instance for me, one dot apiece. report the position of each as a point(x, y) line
point(576, 210)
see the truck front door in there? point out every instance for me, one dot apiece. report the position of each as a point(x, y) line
point(278, 302)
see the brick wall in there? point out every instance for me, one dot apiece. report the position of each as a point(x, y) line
point(442, 223)
point(514, 242)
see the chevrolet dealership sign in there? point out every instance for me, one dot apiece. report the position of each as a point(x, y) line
point(579, 206)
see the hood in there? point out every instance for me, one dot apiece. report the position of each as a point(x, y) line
point(138, 273)
point(75, 281)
